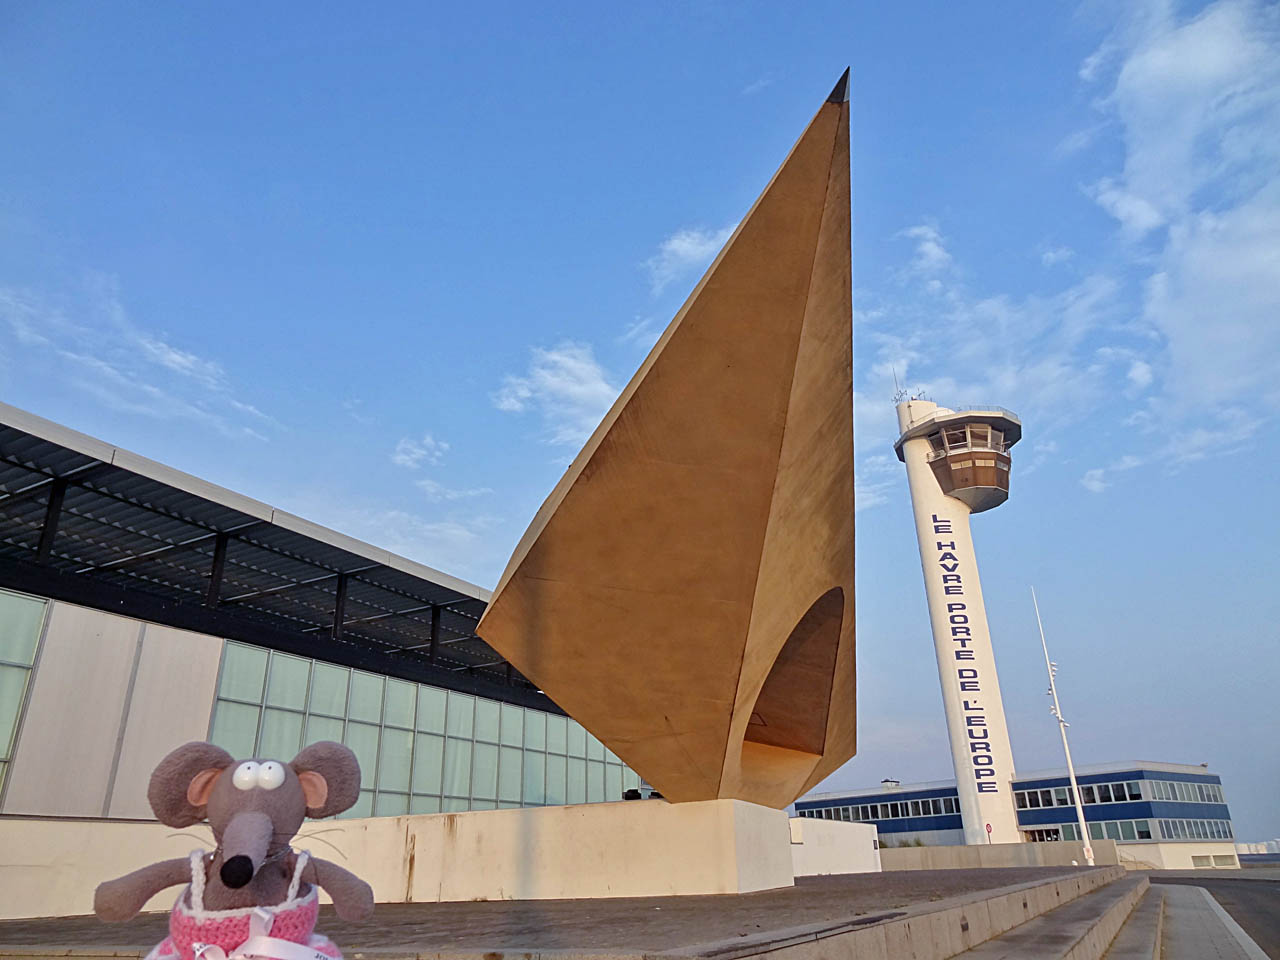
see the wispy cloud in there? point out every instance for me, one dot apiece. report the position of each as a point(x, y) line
point(767, 80)
point(1055, 255)
point(86, 342)
point(437, 492)
point(565, 386)
point(412, 453)
point(684, 252)
point(1197, 104)
point(1097, 480)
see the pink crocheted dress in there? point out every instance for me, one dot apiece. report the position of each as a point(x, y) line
point(285, 931)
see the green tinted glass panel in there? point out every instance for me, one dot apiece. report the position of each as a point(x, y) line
point(20, 621)
point(535, 730)
point(323, 728)
point(1095, 830)
point(483, 805)
point(281, 735)
point(577, 739)
point(534, 773)
point(457, 768)
point(329, 690)
point(391, 805)
point(512, 725)
point(595, 749)
point(557, 734)
point(366, 697)
point(631, 781)
point(509, 774)
point(287, 681)
point(394, 759)
point(424, 804)
point(235, 728)
point(610, 756)
point(244, 670)
point(401, 697)
point(612, 781)
point(455, 804)
point(595, 781)
point(1113, 830)
point(555, 779)
point(13, 684)
point(461, 715)
point(363, 806)
point(484, 771)
point(1127, 831)
point(487, 720)
point(362, 738)
point(428, 761)
point(576, 788)
point(431, 703)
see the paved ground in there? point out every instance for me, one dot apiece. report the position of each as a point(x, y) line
point(1253, 903)
point(622, 925)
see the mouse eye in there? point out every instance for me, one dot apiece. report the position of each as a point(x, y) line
point(270, 775)
point(246, 776)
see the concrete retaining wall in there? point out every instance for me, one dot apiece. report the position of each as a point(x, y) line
point(1058, 854)
point(49, 868)
point(821, 847)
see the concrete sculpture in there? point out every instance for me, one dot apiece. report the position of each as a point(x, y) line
point(686, 591)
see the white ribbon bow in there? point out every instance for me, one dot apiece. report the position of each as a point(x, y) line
point(260, 944)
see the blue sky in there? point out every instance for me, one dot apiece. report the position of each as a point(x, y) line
point(387, 270)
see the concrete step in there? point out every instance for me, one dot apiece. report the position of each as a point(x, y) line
point(1079, 930)
point(1140, 937)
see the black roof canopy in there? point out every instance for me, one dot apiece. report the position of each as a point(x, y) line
point(88, 523)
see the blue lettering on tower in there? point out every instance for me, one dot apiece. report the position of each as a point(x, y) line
point(967, 676)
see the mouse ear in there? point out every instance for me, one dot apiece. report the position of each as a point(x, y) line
point(182, 781)
point(330, 777)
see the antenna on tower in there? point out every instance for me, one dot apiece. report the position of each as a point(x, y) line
point(898, 393)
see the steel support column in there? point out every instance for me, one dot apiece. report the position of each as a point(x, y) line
point(215, 572)
point(435, 633)
point(57, 492)
point(340, 607)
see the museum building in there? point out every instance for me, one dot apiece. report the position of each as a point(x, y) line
point(1165, 815)
point(141, 607)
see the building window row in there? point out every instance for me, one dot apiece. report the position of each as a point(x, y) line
point(1197, 830)
point(964, 437)
point(1186, 792)
point(861, 813)
point(21, 622)
point(421, 749)
point(1090, 793)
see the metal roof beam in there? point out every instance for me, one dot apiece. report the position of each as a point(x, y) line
point(52, 513)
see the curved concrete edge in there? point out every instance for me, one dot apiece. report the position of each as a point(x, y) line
point(937, 931)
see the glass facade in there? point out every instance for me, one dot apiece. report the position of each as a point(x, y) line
point(21, 620)
point(421, 749)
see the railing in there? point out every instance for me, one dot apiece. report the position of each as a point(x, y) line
point(965, 407)
point(932, 455)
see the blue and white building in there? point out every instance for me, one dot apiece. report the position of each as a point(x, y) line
point(1161, 815)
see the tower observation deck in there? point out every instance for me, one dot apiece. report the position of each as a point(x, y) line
point(958, 464)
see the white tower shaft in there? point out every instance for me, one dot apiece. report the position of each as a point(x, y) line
point(971, 698)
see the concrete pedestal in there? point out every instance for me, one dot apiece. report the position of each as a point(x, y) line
point(639, 848)
point(820, 847)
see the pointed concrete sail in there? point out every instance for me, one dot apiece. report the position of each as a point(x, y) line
point(686, 592)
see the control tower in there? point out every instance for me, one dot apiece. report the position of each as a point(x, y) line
point(958, 464)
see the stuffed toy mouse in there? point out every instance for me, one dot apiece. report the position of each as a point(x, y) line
point(253, 895)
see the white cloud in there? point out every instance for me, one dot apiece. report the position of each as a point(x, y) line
point(85, 342)
point(411, 453)
point(931, 256)
point(1197, 103)
point(684, 252)
point(1056, 255)
point(1140, 374)
point(566, 387)
point(1095, 481)
point(768, 80)
point(437, 492)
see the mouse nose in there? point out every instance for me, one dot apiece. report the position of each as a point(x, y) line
point(237, 871)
